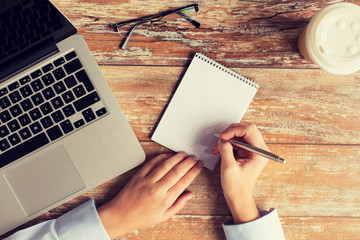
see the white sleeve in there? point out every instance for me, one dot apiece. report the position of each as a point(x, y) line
point(82, 223)
point(267, 227)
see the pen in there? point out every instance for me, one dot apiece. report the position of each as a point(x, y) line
point(256, 150)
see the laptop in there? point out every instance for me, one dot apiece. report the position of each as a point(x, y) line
point(62, 131)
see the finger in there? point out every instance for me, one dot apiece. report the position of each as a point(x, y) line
point(235, 125)
point(166, 166)
point(215, 149)
point(186, 180)
point(232, 132)
point(175, 174)
point(227, 155)
point(179, 204)
point(153, 163)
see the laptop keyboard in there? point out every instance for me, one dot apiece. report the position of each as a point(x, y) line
point(46, 105)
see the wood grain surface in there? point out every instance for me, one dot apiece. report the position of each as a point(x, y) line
point(307, 116)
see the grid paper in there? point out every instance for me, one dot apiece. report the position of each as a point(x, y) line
point(208, 99)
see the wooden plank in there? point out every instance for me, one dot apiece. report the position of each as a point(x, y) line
point(291, 106)
point(242, 33)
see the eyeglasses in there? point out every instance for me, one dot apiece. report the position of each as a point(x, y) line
point(161, 18)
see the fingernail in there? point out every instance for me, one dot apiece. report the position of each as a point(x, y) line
point(189, 197)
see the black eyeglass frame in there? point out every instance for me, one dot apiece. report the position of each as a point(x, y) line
point(155, 18)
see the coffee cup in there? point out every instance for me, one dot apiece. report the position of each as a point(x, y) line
point(332, 39)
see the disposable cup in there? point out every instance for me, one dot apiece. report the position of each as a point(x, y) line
point(332, 39)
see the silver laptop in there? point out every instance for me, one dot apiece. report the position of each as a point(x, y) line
point(62, 131)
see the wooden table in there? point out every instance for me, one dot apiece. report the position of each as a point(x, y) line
point(307, 116)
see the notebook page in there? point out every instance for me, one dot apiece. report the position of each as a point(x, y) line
point(207, 100)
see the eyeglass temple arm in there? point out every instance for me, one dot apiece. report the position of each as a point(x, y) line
point(163, 14)
point(126, 41)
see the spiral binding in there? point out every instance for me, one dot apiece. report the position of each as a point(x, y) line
point(227, 70)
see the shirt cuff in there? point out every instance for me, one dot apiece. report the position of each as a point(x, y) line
point(82, 223)
point(267, 227)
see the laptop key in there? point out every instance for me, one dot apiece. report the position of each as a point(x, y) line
point(37, 99)
point(79, 123)
point(83, 77)
point(25, 133)
point(24, 80)
point(70, 56)
point(13, 86)
point(23, 149)
point(26, 91)
point(79, 91)
point(70, 81)
point(88, 115)
point(37, 85)
point(57, 116)
point(48, 93)
point(68, 97)
point(3, 91)
point(66, 126)
point(15, 97)
point(86, 101)
point(59, 87)
point(4, 131)
point(59, 61)
point(13, 125)
point(15, 110)
point(48, 68)
point(57, 103)
point(35, 114)
point(68, 110)
point(14, 139)
point(54, 133)
point(48, 79)
point(59, 73)
point(101, 112)
point(5, 116)
point(46, 108)
point(36, 74)
point(4, 145)
point(35, 128)
point(26, 105)
point(46, 122)
point(24, 119)
point(4, 102)
point(73, 66)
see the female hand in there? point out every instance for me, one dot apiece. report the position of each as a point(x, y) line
point(240, 169)
point(152, 196)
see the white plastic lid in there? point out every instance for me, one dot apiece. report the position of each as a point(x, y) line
point(333, 38)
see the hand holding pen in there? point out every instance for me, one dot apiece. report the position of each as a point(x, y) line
point(240, 169)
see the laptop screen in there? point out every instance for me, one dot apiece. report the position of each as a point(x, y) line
point(27, 30)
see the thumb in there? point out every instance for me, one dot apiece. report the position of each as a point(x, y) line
point(227, 155)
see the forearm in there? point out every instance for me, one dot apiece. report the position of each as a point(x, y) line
point(244, 210)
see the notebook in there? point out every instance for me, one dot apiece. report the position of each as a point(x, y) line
point(208, 99)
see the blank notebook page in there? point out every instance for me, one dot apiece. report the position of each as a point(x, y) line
point(208, 99)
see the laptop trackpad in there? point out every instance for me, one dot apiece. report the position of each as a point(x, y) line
point(44, 180)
